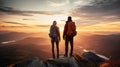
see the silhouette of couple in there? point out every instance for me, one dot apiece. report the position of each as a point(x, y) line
point(68, 35)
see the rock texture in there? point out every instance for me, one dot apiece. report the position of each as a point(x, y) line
point(87, 59)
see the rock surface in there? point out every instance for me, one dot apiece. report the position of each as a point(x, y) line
point(87, 59)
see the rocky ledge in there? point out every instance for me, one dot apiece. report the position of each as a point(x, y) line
point(87, 59)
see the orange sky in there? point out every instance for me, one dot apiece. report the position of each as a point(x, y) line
point(109, 27)
point(38, 15)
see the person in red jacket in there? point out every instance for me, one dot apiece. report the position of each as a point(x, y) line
point(68, 35)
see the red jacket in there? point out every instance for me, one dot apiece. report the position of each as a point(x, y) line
point(69, 28)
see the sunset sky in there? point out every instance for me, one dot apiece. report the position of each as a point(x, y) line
point(89, 15)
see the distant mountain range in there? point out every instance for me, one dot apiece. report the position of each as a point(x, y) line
point(108, 45)
point(8, 36)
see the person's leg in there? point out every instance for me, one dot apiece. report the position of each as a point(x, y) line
point(57, 47)
point(66, 46)
point(72, 45)
point(53, 53)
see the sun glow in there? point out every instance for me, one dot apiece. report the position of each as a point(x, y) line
point(61, 28)
point(59, 18)
point(102, 27)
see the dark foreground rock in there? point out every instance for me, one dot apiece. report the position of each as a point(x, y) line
point(87, 59)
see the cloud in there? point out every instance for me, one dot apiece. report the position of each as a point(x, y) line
point(1, 2)
point(12, 11)
point(27, 19)
point(104, 7)
point(14, 23)
point(99, 11)
point(57, 3)
point(21, 25)
point(4, 26)
point(42, 25)
point(46, 12)
point(82, 2)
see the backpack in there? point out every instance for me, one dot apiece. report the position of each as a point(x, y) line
point(54, 31)
point(71, 29)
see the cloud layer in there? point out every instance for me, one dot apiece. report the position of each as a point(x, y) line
point(99, 11)
point(85, 12)
point(14, 23)
point(11, 11)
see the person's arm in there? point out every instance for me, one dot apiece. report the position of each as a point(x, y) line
point(50, 31)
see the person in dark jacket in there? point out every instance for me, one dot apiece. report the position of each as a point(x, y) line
point(55, 38)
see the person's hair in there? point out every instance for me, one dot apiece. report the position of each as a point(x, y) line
point(54, 22)
point(69, 18)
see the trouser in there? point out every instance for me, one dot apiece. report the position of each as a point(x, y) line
point(67, 40)
point(55, 40)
